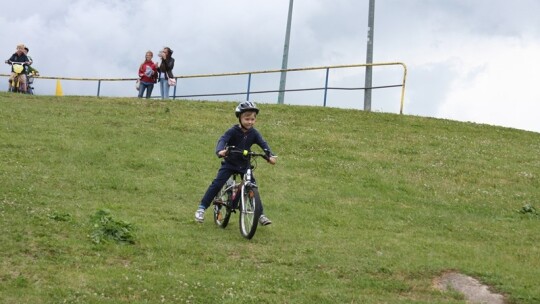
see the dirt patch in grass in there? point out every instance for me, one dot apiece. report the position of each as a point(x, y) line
point(472, 289)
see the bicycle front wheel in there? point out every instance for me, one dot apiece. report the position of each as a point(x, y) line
point(222, 210)
point(250, 211)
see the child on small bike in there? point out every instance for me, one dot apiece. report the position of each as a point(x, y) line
point(19, 59)
point(242, 136)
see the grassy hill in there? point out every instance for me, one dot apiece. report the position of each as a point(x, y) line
point(367, 207)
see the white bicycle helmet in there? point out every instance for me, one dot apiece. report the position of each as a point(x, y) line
point(245, 106)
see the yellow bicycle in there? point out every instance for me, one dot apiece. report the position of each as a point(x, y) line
point(15, 84)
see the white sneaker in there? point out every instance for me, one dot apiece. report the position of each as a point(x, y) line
point(263, 220)
point(199, 215)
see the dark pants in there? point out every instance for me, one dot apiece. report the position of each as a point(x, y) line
point(222, 176)
point(148, 86)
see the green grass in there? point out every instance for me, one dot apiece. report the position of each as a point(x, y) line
point(367, 207)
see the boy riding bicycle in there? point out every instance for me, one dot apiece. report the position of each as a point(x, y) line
point(19, 57)
point(242, 136)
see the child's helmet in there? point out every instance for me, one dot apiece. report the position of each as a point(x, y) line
point(245, 106)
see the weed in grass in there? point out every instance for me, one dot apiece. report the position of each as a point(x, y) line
point(106, 228)
point(529, 209)
point(60, 217)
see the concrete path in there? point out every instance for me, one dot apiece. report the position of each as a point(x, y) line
point(472, 289)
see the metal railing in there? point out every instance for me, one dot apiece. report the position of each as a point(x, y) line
point(248, 92)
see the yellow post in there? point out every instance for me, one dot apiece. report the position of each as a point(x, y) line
point(59, 88)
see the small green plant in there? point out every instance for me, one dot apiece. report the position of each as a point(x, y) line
point(60, 217)
point(528, 209)
point(105, 228)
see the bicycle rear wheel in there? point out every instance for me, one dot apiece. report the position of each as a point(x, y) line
point(222, 210)
point(250, 211)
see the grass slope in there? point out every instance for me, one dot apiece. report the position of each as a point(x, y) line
point(367, 207)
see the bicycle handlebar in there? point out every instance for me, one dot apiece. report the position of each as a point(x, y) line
point(232, 149)
point(14, 62)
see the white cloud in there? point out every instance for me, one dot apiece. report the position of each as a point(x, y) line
point(498, 86)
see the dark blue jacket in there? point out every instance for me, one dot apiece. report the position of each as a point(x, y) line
point(235, 136)
point(20, 59)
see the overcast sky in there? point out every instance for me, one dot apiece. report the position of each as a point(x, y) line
point(468, 60)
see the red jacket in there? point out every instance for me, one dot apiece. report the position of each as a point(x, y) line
point(148, 72)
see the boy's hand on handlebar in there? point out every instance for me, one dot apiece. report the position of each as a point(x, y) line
point(222, 153)
point(225, 152)
point(272, 160)
point(270, 157)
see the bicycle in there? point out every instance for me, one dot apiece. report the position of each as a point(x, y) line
point(242, 195)
point(30, 82)
point(15, 84)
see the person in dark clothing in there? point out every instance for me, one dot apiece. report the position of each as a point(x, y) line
point(165, 68)
point(19, 57)
point(242, 136)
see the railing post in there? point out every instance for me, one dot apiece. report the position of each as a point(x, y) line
point(174, 90)
point(248, 86)
point(326, 86)
point(403, 87)
point(98, 87)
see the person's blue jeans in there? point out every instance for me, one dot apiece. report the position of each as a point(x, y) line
point(148, 86)
point(164, 86)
